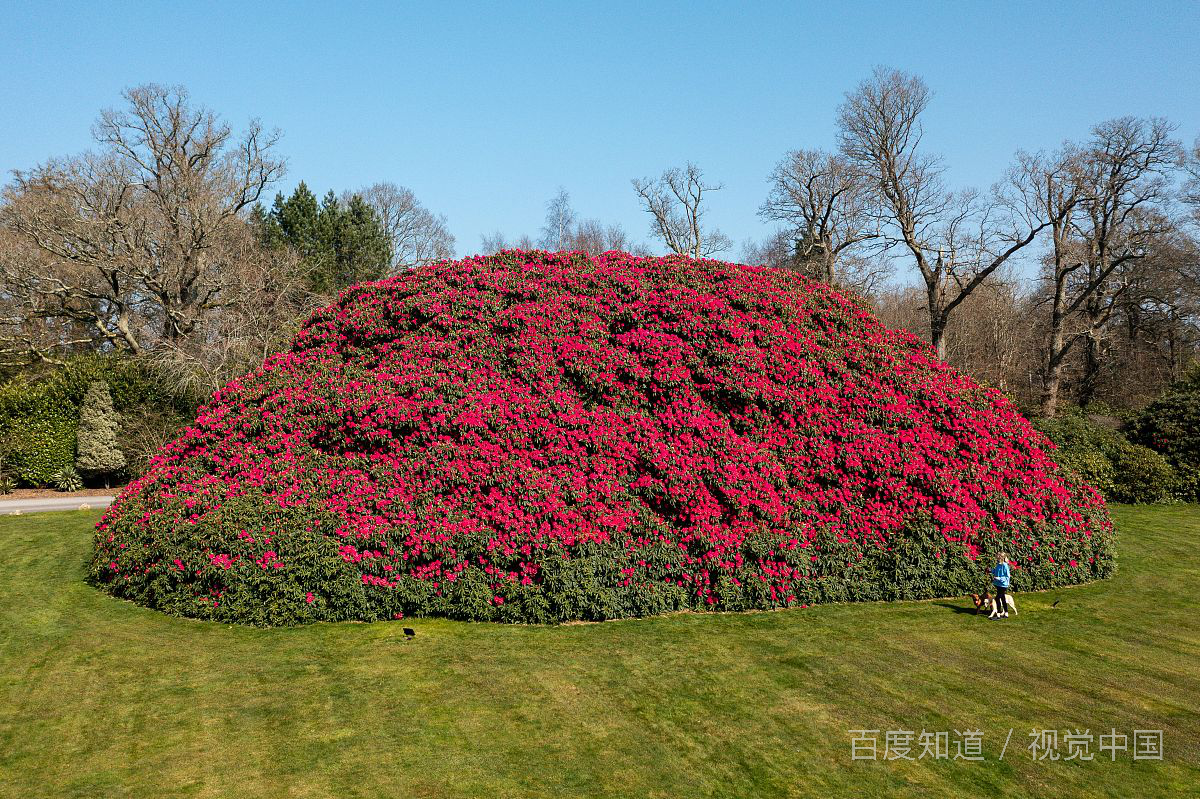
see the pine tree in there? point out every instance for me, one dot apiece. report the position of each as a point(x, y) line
point(96, 438)
point(362, 247)
point(342, 242)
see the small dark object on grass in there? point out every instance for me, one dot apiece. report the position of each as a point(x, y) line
point(410, 632)
point(1056, 603)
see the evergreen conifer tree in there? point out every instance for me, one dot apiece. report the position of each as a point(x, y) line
point(342, 242)
point(96, 437)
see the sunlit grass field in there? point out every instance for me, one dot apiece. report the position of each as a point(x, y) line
point(104, 698)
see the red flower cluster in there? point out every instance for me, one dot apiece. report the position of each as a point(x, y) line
point(534, 436)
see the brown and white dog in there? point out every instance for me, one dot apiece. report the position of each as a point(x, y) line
point(985, 603)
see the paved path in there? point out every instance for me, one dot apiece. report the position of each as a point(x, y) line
point(11, 507)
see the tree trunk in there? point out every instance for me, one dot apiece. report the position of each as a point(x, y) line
point(1057, 351)
point(830, 275)
point(937, 316)
point(1053, 378)
point(937, 335)
point(1091, 366)
point(1173, 352)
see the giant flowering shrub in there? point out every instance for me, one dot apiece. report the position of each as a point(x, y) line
point(539, 437)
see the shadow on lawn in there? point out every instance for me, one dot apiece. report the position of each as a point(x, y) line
point(958, 608)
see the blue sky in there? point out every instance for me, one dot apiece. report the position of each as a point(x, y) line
point(484, 110)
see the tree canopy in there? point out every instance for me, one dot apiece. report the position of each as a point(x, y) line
point(340, 242)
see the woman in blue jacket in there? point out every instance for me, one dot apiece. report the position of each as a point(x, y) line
point(1001, 579)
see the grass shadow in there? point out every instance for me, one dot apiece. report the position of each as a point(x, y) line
point(957, 608)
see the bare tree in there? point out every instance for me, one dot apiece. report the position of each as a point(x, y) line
point(496, 242)
point(137, 242)
point(492, 242)
point(25, 336)
point(777, 250)
point(1104, 205)
point(418, 237)
point(560, 222)
point(592, 237)
point(1053, 184)
point(864, 273)
point(272, 301)
point(989, 338)
point(1191, 188)
point(956, 241)
point(825, 200)
point(675, 201)
point(1159, 313)
point(1127, 174)
point(561, 231)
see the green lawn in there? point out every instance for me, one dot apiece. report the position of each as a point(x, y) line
point(103, 698)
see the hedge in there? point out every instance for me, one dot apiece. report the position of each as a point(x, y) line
point(39, 412)
point(1105, 458)
point(1171, 426)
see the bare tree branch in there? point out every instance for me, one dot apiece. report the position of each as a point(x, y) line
point(418, 237)
point(826, 202)
point(675, 202)
point(139, 242)
point(956, 241)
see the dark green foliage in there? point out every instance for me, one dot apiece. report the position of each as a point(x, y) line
point(7, 484)
point(39, 413)
point(38, 427)
point(1142, 475)
point(341, 242)
point(242, 585)
point(97, 451)
point(246, 587)
point(1171, 425)
point(1123, 471)
point(130, 383)
point(67, 479)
